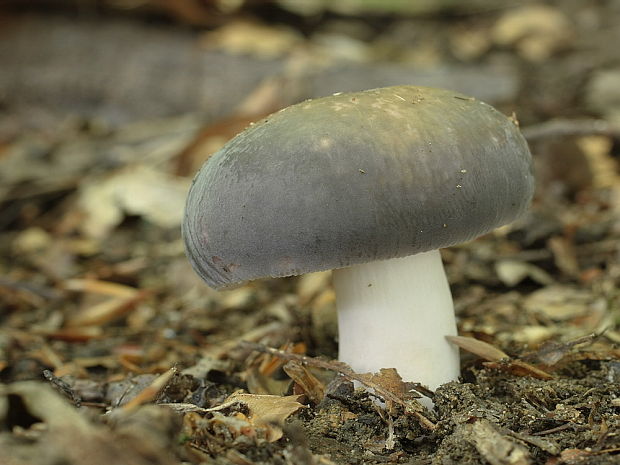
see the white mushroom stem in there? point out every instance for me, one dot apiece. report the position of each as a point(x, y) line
point(395, 314)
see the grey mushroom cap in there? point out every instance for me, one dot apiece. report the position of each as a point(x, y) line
point(354, 178)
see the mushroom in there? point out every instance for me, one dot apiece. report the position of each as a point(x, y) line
point(370, 185)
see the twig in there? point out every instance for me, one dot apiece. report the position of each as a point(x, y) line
point(63, 387)
point(557, 429)
point(341, 368)
point(39, 291)
point(569, 127)
point(552, 352)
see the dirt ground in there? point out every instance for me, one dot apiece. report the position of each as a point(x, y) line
point(112, 350)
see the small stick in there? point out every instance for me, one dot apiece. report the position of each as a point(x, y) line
point(557, 429)
point(552, 352)
point(63, 387)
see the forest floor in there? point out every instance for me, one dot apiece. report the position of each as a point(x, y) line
point(113, 351)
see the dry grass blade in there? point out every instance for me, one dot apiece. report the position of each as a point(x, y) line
point(107, 310)
point(72, 334)
point(519, 368)
point(480, 348)
point(496, 358)
point(96, 286)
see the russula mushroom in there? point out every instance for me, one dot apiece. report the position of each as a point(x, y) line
point(371, 185)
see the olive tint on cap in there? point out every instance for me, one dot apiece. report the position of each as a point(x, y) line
point(354, 178)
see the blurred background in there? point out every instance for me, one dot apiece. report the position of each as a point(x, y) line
point(109, 107)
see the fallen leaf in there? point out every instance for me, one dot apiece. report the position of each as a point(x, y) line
point(244, 37)
point(536, 31)
point(574, 456)
point(564, 255)
point(312, 284)
point(388, 380)
point(602, 164)
point(259, 374)
point(309, 384)
point(365, 379)
point(267, 409)
point(512, 272)
point(562, 303)
point(264, 420)
point(69, 436)
point(532, 335)
point(106, 311)
point(134, 190)
point(261, 408)
point(602, 94)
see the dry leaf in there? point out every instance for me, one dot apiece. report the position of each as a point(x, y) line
point(564, 255)
point(205, 365)
point(312, 284)
point(69, 437)
point(106, 311)
point(262, 408)
point(512, 272)
point(135, 190)
point(532, 335)
point(32, 240)
point(265, 414)
point(574, 456)
point(267, 409)
point(536, 31)
point(469, 43)
point(244, 37)
point(259, 375)
point(43, 404)
point(389, 380)
point(603, 95)
point(561, 303)
point(309, 384)
point(366, 379)
point(258, 383)
point(602, 164)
